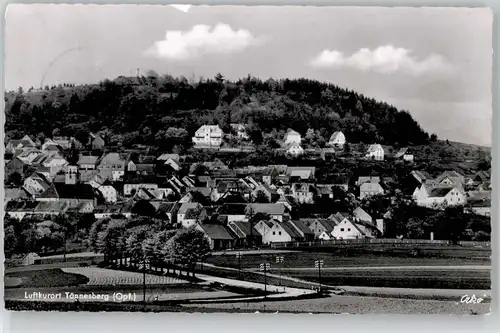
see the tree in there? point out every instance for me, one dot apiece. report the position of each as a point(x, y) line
point(143, 208)
point(434, 137)
point(10, 240)
point(261, 197)
point(189, 246)
point(15, 179)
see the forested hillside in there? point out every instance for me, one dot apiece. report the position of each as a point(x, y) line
point(153, 109)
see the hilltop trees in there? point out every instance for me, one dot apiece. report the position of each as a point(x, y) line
point(174, 108)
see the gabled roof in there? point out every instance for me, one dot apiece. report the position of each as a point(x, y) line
point(267, 208)
point(289, 229)
point(401, 152)
point(80, 191)
point(233, 209)
point(374, 147)
point(87, 159)
point(420, 176)
point(216, 231)
point(440, 191)
point(292, 132)
point(368, 179)
point(335, 135)
point(371, 187)
point(242, 229)
point(188, 205)
point(361, 214)
point(301, 226)
point(164, 157)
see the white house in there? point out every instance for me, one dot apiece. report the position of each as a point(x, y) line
point(375, 152)
point(35, 184)
point(346, 228)
point(109, 193)
point(274, 231)
point(208, 136)
point(87, 162)
point(432, 196)
point(337, 139)
point(294, 149)
point(293, 137)
point(368, 189)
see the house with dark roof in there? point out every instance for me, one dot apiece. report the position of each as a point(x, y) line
point(96, 142)
point(219, 236)
point(169, 211)
point(302, 172)
point(115, 163)
point(15, 165)
point(276, 211)
point(246, 235)
point(233, 211)
point(192, 216)
point(87, 162)
point(302, 228)
point(274, 231)
point(73, 193)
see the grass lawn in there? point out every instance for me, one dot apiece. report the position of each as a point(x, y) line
point(433, 279)
point(44, 278)
point(343, 258)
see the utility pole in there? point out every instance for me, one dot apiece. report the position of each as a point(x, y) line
point(319, 264)
point(144, 262)
point(280, 260)
point(238, 255)
point(265, 267)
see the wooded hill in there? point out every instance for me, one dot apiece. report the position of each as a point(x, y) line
point(140, 110)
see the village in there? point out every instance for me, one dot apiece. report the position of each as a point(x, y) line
point(235, 207)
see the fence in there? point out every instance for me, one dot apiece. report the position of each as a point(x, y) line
point(387, 241)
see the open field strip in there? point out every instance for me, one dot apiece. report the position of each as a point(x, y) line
point(355, 305)
point(105, 277)
point(387, 268)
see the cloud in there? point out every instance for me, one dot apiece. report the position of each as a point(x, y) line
point(202, 40)
point(384, 59)
point(182, 8)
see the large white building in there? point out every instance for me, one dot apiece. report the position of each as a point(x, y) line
point(293, 137)
point(439, 196)
point(337, 139)
point(375, 152)
point(208, 136)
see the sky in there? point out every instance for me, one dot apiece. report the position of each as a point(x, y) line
point(435, 63)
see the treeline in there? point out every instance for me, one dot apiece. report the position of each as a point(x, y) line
point(157, 110)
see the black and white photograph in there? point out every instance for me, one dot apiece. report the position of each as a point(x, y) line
point(247, 159)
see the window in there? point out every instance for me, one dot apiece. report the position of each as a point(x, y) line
point(341, 229)
point(274, 232)
point(348, 229)
point(279, 233)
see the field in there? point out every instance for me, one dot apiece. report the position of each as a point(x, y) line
point(351, 258)
point(431, 268)
point(354, 305)
point(105, 277)
point(410, 278)
point(44, 278)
